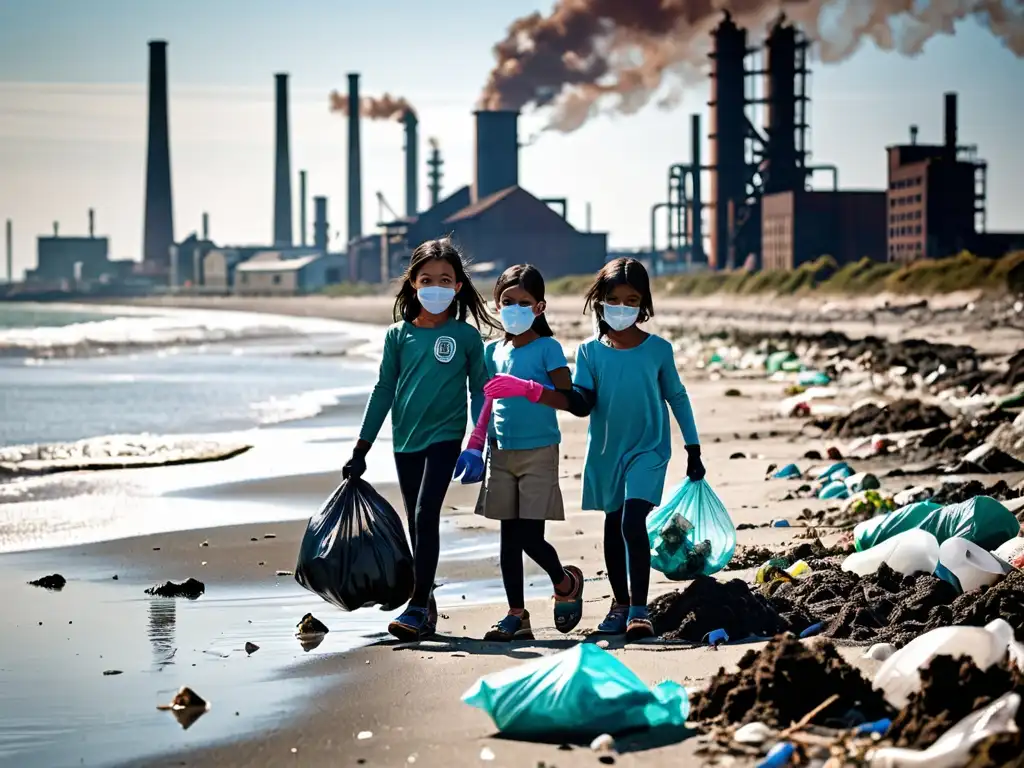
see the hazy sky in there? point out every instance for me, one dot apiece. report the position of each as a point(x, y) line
point(73, 113)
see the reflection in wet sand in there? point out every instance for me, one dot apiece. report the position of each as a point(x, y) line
point(162, 618)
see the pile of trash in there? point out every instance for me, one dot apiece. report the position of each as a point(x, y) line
point(708, 605)
point(906, 415)
point(809, 551)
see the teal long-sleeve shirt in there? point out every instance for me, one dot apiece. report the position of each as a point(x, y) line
point(423, 379)
point(629, 442)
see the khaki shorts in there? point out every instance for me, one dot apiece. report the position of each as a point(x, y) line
point(521, 485)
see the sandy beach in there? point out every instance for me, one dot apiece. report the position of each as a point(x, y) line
point(408, 697)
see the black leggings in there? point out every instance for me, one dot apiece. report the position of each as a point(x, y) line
point(423, 478)
point(517, 537)
point(627, 549)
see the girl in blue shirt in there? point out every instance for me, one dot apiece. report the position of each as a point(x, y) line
point(521, 483)
point(626, 380)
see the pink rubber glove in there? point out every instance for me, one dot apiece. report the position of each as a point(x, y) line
point(479, 435)
point(504, 385)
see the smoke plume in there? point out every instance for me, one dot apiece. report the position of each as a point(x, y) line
point(386, 107)
point(584, 50)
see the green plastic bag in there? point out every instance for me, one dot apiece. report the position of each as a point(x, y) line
point(691, 534)
point(982, 520)
point(776, 360)
point(582, 693)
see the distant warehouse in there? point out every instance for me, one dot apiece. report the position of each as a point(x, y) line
point(288, 276)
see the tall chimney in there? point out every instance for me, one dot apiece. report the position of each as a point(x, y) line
point(913, 134)
point(355, 169)
point(206, 226)
point(302, 208)
point(10, 251)
point(697, 197)
point(951, 125)
point(282, 168)
point(92, 223)
point(412, 177)
point(159, 223)
point(435, 163)
point(320, 232)
point(497, 152)
point(56, 233)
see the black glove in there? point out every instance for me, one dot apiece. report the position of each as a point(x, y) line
point(694, 466)
point(356, 466)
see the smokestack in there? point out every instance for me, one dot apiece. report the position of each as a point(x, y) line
point(951, 125)
point(282, 168)
point(435, 173)
point(206, 226)
point(412, 180)
point(588, 217)
point(320, 231)
point(696, 200)
point(497, 152)
point(92, 223)
point(302, 208)
point(913, 134)
point(56, 232)
point(159, 222)
point(355, 169)
point(10, 251)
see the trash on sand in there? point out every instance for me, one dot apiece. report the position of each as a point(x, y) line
point(862, 481)
point(1010, 550)
point(354, 552)
point(879, 651)
point(788, 472)
point(779, 755)
point(716, 638)
point(191, 589)
point(285, 573)
point(912, 495)
point(780, 524)
point(954, 748)
point(708, 604)
point(310, 632)
point(603, 744)
point(364, 735)
point(486, 755)
point(54, 582)
point(251, 648)
point(838, 471)
point(753, 733)
point(813, 379)
point(982, 520)
point(692, 533)
point(900, 675)
point(865, 505)
point(835, 489)
point(908, 553)
point(583, 692)
point(972, 566)
point(187, 706)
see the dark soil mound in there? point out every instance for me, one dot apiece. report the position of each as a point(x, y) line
point(889, 607)
point(954, 493)
point(190, 589)
point(899, 416)
point(948, 442)
point(708, 604)
point(783, 682)
point(951, 689)
point(54, 582)
point(810, 551)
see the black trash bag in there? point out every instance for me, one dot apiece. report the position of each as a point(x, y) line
point(354, 553)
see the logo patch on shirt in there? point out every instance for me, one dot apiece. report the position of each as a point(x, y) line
point(444, 349)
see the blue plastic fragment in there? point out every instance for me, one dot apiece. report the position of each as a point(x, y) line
point(779, 755)
point(813, 629)
point(878, 726)
point(717, 636)
point(780, 523)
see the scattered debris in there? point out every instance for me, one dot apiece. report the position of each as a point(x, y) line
point(738, 455)
point(191, 589)
point(733, 393)
point(707, 605)
point(251, 648)
point(112, 672)
point(870, 419)
point(54, 582)
point(187, 706)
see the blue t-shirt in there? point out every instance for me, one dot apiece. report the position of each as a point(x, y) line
point(516, 423)
point(629, 441)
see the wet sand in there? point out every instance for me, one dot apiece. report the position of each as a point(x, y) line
point(409, 697)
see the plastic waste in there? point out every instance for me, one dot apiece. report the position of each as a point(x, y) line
point(879, 651)
point(753, 733)
point(834, 490)
point(868, 503)
point(982, 520)
point(869, 729)
point(899, 676)
point(812, 630)
point(862, 481)
point(776, 360)
point(1010, 550)
point(838, 471)
point(692, 533)
point(972, 566)
point(908, 553)
point(788, 472)
point(354, 552)
point(813, 379)
point(912, 495)
point(582, 692)
point(954, 747)
point(779, 755)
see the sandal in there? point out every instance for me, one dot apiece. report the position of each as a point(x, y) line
point(615, 622)
point(512, 627)
point(639, 626)
point(568, 609)
point(413, 625)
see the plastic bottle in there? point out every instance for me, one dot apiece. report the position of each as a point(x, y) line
point(973, 566)
point(909, 552)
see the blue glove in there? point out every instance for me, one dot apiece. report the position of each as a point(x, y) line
point(470, 466)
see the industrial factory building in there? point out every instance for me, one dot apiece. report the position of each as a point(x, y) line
point(76, 260)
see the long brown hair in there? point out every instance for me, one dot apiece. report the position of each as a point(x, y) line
point(624, 271)
point(529, 278)
point(468, 300)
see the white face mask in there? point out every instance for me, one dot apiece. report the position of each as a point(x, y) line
point(435, 298)
point(516, 319)
point(618, 316)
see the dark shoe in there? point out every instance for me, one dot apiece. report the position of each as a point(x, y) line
point(568, 608)
point(638, 626)
point(615, 622)
point(411, 626)
point(512, 627)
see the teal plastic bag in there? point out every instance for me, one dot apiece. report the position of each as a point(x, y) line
point(787, 472)
point(813, 379)
point(836, 489)
point(982, 520)
point(838, 471)
point(691, 534)
point(776, 360)
point(581, 693)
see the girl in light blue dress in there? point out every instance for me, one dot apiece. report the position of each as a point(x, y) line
point(626, 381)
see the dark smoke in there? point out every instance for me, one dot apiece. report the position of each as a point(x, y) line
point(584, 50)
point(386, 107)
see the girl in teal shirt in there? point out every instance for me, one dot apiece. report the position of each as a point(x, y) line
point(430, 355)
point(626, 380)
